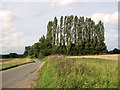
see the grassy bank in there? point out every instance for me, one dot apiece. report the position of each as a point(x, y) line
point(63, 72)
point(10, 63)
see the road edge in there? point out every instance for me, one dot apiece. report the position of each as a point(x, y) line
point(34, 82)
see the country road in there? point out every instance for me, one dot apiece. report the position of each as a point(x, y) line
point(22, 76)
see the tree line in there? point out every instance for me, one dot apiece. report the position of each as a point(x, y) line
point(114, 51)
point(12, 55)
point(71, 35)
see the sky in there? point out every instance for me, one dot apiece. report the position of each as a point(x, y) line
point(23, 22)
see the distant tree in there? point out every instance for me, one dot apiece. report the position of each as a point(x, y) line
point(27, 50)
point(5, 56)
point(13, 55)
point(114, 51)
point(36, 49)
point(31, 53)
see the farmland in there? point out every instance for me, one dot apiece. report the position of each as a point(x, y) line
point(106, 57)
point(69, 72)
point(13, 62)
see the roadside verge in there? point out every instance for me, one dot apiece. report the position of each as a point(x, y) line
point(13, 66)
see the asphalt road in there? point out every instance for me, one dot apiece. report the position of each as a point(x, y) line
point(22, 76)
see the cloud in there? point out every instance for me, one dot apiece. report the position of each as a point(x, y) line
point(6, 22)
point(56, 3)
point(60, 4)
point(111, 38)
point(111, 33)
point(55, 0)
point(64, 2)
point(106, 18)
point(12, 40)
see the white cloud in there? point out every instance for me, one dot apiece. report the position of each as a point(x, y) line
point(64, 2)
point(55, 3)
point(111, 38)
point(6, 22)
point(55, 0)
point(111, 33)
point(106, 18)
point(11, 40)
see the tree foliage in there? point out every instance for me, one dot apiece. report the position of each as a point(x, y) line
point(114, 51)
point(71, 35)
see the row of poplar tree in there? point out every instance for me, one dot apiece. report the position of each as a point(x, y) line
point(71, 35)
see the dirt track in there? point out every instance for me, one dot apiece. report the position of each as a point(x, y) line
point(107, 57)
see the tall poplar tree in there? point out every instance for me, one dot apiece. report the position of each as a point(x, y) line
point(71, 36)
point(61, 27)
point(75, 28)
point(50, 32)
point(65, 30)
point(54, 30)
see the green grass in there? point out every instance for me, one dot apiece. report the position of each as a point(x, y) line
point(10, 63)
point(78, 73)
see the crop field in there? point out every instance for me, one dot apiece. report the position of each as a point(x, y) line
point(8, 63)
point(62, 72)
point(106, 57)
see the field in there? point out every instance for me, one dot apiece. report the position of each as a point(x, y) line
point(106, 57)
point(8, 63)
point(69, 72)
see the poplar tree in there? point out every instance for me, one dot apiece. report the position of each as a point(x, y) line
point(49, 32)
point(61, 27)
point(54, 30)
point(75, 28)
point(71, 36)
point(65, 30)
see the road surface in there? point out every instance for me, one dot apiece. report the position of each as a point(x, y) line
point(22, 76)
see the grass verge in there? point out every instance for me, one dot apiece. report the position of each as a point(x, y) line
point(78, 73)
point(15, 63)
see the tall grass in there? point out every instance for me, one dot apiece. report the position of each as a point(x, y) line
point(78, 73)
